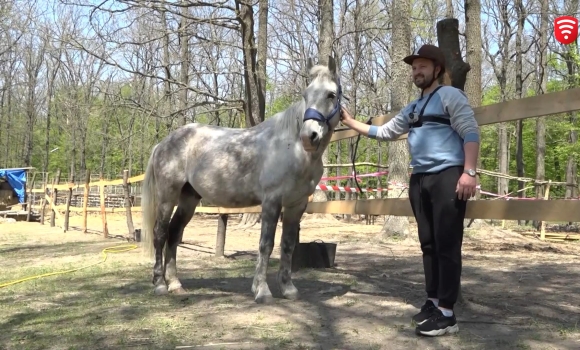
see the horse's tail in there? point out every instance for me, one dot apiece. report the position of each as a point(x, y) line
point(149, 208)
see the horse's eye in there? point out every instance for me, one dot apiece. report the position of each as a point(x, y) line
point(331, 95)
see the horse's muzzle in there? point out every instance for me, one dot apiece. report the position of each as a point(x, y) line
point(310, 140)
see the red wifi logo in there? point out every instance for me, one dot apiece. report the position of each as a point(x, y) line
point(566, 29)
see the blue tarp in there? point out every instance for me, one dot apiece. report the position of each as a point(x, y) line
point(16, 179)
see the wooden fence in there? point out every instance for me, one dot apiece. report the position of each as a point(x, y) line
point(540, 210)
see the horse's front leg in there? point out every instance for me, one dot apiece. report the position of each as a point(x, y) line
point(290, 227)
point(270, 214)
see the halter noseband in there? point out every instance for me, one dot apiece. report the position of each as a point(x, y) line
point(313, 114)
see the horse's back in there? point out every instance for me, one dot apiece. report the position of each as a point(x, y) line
point(221, 164)
point(234, 167)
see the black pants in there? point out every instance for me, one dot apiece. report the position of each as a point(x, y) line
point(439, 214)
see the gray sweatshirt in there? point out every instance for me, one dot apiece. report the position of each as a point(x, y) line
point(434, 146)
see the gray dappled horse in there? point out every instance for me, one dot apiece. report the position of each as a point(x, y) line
point(276, 163)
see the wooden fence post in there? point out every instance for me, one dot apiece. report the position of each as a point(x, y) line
point(546, 197)
point(43, 202)
point(71, 180)
point(221, 235)
point(54, 194)
point(103, 213)
point(30, 195)
point(130, 226)
point(86, 199)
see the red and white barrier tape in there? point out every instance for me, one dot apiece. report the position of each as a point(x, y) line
point(345, 177)
point(392, 186)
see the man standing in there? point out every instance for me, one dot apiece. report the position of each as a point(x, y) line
point(443, 138)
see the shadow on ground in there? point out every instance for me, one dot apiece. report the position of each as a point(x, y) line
point(364, 303)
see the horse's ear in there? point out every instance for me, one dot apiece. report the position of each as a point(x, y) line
point(331, 64)
point(309, 65)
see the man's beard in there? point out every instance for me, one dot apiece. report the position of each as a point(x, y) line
point(424, 83)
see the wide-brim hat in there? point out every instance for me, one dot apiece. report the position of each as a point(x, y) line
point(428, 51)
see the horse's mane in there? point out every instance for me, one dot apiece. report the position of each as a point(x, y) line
point(290, 120)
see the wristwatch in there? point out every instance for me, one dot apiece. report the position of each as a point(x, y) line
point(470, 172)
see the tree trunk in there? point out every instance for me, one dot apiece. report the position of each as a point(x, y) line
point(521, 18)
point(184, 46)
point(542, 79)
point(501, 75)
point(325, 40)
point(448, 38)
point(449, 8)
point(255, 87)
point(398, 151)
point(572, 64)
point(167, 68)
point(252, 101)
point(473, 79)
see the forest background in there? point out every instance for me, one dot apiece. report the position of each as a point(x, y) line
point(94, 85)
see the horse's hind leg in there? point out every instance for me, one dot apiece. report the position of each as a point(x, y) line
point(290, 227)
point(188, 200)
point(160, 233)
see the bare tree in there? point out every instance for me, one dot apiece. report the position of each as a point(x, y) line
point(398, 152)
point(500, 14)
point(254, 70)
point(541, 88)
point(521, 20)
point(325, 44)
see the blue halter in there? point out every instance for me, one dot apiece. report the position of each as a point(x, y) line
point(312, 113)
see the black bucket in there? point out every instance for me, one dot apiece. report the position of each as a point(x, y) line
point(137, 235)
point(316, 254)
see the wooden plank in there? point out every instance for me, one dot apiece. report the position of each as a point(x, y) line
point(86, 199)
point(205, 210)
point(25, 168)
point(552, 210)
point(103, 212)
point(130, 226)
point(29, 209)
point(53, 197)
point(116, 182)
point(54, 209)
point(68, 201)
point(529, 107)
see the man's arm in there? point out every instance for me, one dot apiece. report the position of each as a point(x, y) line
point(464, 123)
point(391, 130)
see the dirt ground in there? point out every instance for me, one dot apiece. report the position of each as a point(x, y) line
point(520, 293)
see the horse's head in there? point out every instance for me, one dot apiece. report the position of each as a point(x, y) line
point(322, 101)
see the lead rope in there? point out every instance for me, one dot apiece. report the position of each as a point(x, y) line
point(368, 122)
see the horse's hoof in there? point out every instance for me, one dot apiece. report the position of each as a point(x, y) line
point(291, 294)
point(264, 299)
point(161, 290)
point(178, 291)
point(172, 287)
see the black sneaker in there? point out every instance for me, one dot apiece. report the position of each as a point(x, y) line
point(438, 324)
point(426, 312)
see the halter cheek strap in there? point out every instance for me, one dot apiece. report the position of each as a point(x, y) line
point(313, 114)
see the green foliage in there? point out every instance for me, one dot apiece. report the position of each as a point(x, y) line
point(558, 128)
point(279, 104)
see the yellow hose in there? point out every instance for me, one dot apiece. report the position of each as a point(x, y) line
point(116, 249)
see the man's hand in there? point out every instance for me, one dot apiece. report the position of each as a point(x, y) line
point(345, 116)
point(466, 187)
